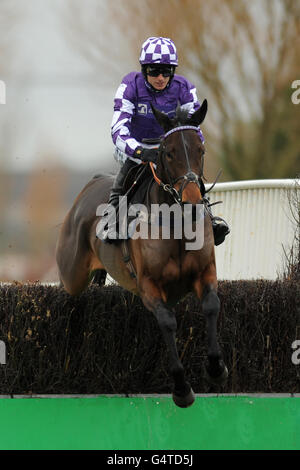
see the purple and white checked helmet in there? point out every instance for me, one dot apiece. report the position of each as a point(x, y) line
point(158, 51)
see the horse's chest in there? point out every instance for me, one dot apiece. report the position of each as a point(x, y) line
point(178, 269)
point(173, 265)
point(189, 265)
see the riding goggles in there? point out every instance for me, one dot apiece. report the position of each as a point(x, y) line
point(165, 71)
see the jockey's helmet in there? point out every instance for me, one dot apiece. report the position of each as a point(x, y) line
point(158, 51)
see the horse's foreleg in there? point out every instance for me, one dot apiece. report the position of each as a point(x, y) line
point(216, 371)
point(183, 395)
point(98, 277)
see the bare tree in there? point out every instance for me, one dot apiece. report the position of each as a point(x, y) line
point(94, 34)
point(292, 255)
point(242, 56)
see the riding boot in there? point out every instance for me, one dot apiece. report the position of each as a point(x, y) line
point(117, 190)
point(220, 227)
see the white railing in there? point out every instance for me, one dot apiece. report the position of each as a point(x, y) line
point(259, 216)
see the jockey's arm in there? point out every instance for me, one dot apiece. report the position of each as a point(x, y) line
point(120, 127)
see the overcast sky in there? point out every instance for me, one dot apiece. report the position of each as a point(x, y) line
point(52, 102)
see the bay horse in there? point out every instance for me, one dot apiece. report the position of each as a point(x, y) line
point(160, 271)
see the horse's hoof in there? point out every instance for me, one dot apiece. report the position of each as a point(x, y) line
point(184, 402)
point(218, 379)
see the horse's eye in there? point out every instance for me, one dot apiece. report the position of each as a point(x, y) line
point(169, 156)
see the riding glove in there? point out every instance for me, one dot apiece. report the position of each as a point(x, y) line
point(146, 155)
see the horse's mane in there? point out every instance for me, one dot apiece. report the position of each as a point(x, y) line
point(181, 117)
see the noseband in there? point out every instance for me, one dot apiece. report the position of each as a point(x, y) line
point(189, 177)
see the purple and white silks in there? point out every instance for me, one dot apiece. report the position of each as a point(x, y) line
point(133, 119)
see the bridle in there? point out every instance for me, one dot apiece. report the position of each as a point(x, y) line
point(189, 177)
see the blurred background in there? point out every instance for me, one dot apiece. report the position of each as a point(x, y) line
point(61, 63)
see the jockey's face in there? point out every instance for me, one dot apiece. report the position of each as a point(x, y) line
point(159, 75)
point(159, 83)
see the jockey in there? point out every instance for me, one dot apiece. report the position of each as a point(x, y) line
point(134, 121)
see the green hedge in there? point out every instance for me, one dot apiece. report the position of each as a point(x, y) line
point(105, 341)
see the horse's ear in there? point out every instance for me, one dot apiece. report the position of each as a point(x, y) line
point(162, 119)
point(198, 116)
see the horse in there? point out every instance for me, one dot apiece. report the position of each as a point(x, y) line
point(160, 271)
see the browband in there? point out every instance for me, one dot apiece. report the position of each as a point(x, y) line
point(183, 128)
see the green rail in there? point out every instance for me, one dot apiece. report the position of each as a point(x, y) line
point(213, 422)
